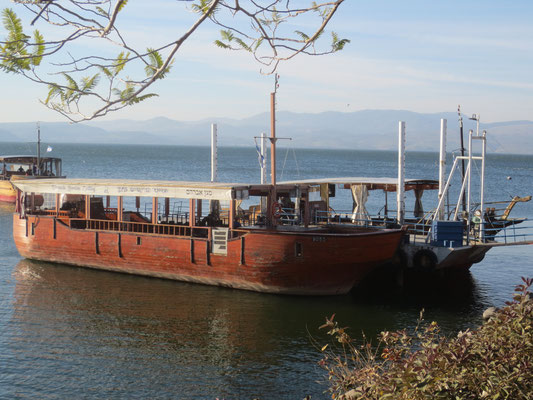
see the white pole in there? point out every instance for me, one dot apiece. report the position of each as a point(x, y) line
point(263, 158)
point(482, 189)
point(214, 152)
point(442, 165)
point(400, 195)
point(470, 133)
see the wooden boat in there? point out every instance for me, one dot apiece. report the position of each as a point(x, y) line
point(14, 168)
point(437, 240)
point(101, 224)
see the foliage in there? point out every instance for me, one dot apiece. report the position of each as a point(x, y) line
point(96, 83)
point(492, 362)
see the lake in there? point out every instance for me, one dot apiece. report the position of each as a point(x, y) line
point(74, 332)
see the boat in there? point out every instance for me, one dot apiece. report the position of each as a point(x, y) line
point(15, 168)
point(421, 249)
point(195, 232)
point(451, 236)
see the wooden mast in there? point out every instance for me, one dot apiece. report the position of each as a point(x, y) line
point(273, 194)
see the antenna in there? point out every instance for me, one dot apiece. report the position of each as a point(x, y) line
point(475, 117)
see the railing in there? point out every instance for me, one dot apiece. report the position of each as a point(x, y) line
point(511, 234)
point(139, 227)
point(499, 231)
point(346, 217)
point(61, 213)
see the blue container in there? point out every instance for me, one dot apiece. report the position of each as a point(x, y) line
point(447, 233)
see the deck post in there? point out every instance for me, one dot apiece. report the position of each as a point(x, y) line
point(307, 216)
point(137, 203)
point(167, 207)
point(198, 210)
point(192, 212)
point(87, 206)
point(119, 209)
point(400, 192)
point(269, 202)
point(231, 221)
point(107, 201)
point(58, 205)
point(442, 166)
point(154, 210)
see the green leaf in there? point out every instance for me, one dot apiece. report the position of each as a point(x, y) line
point(12, 24)
point(258, 43)
point(90, 83)
point(302, 35)
point(337, 44)
point(39, 49)
point(54, 91)
point(222, 45)
point(102, 12)
point(106, 72)
point(243, 45)
point(121, 7)
point(120, 62)
point(226, 35)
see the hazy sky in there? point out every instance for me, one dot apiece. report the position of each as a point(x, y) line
point(424, 56)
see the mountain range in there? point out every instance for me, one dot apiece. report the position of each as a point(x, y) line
point(366, 129)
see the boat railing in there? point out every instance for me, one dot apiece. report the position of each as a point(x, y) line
point(347, 217)
point(140, 227)
point(60, 213)
point(512, 233)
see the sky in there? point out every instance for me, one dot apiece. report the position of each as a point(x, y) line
point(422, 56)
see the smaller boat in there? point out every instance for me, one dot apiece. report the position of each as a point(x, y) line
point(13, 168)
point(452, 236)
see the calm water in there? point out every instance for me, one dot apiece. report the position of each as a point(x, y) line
point(71, 332)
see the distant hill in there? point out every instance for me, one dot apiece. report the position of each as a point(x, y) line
point(366, 129)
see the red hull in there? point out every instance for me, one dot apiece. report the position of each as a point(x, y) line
point(264, 261)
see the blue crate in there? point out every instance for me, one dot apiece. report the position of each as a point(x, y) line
point(447, 233)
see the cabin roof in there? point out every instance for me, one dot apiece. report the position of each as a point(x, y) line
point(22, 159)
point(145, 188)
point(372, 183)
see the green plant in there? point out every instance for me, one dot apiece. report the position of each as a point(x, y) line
point(494, 361)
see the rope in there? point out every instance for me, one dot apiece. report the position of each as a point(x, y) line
point(284, 162)
point(296, 162)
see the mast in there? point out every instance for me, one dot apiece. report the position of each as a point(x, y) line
point(442, 166)
point(38, 149)
point(400, 191)
point(214, 153)
point(462, 153)
point(273, 148)
point(273, 133)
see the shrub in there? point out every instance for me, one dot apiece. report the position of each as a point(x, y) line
point(494, 361)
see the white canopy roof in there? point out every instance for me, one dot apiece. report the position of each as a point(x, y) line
point(141, 188)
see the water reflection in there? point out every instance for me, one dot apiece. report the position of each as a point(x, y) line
point(121, 334)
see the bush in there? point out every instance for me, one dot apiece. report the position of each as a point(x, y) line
point(493, 362)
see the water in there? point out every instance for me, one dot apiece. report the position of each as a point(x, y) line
point(71, 332)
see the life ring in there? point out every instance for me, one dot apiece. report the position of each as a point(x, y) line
point(425, 260)
point(276, 210)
